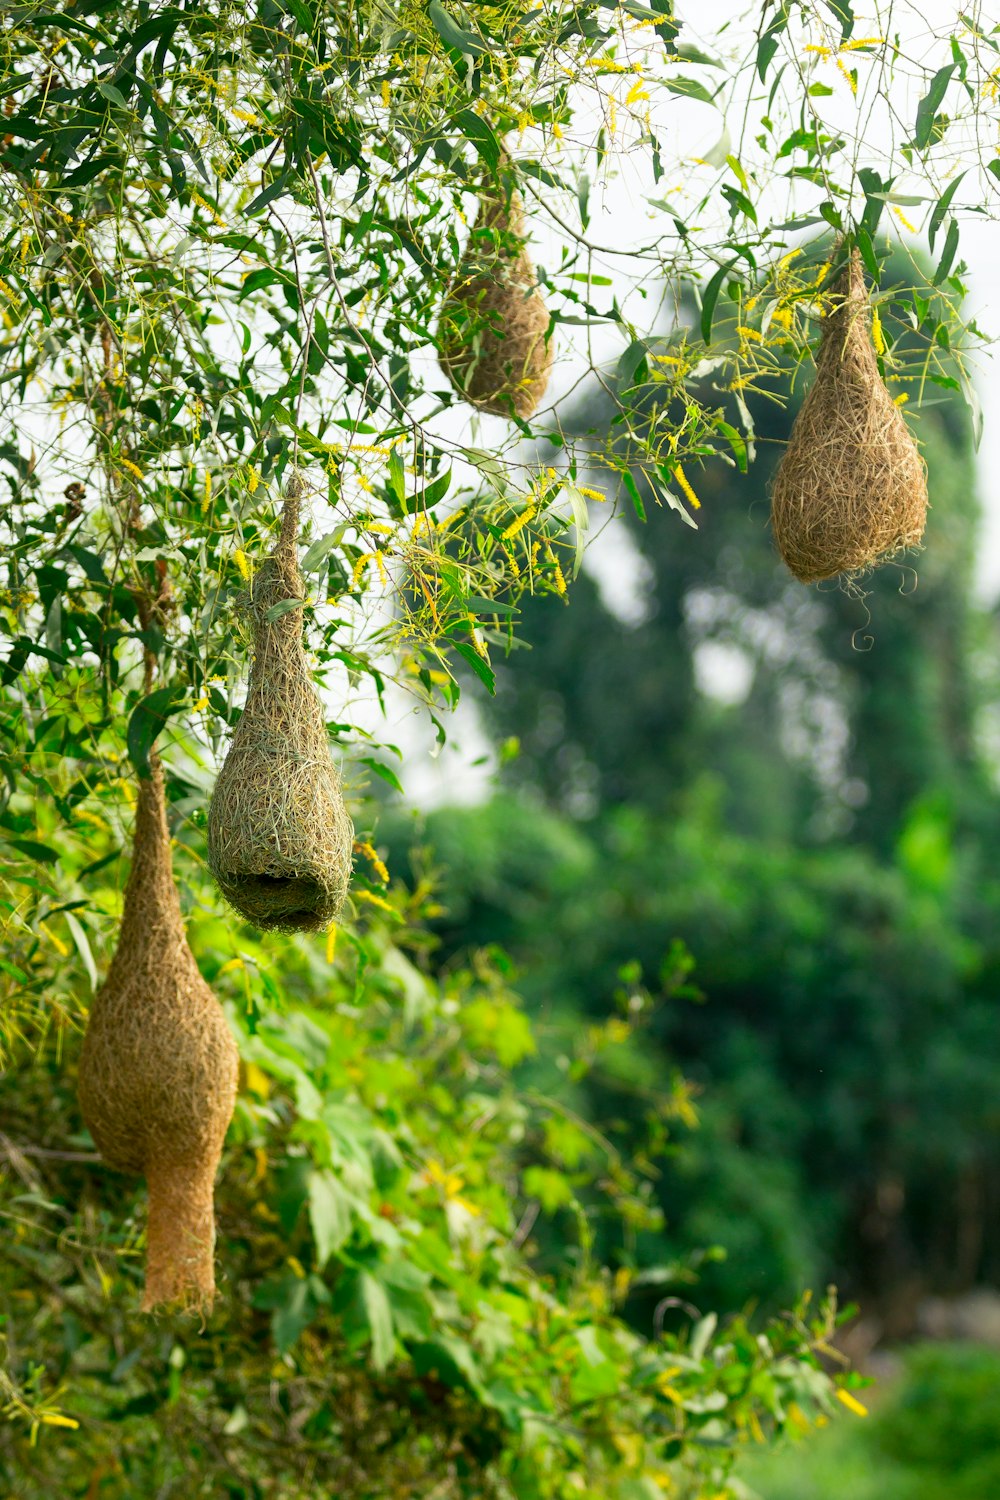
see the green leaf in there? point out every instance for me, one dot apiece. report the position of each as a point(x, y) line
point(597, 1376)
point(551, 1188)
point(437, 489)
point(581, 520)
point(452, 1360)
point(329, 1214)
point(258, 204)
point(478, 131)
point(633, 494)
point(737, 442)
point(283, 607)
point(738, 202)
point(82, 947)
point(710, 297)
point(452, 34)
point(928, 107)
point(874, 191)
point(386, 773)
point(113, 95)
point(481, 668)
point(479, 604)
point(629, 363)
point(718, 155)
point(146, 722)
point(317, 553)
point(297, 1302)
point(868, 255)
point(41, 853)
point(300, 12)
point(768, 44)
point(695, 55)
point(948, 254)
point(688, 88)
point(844, 15)
point(975, 407)
point(378, 1316)
point(941, 208)
point(397, 476)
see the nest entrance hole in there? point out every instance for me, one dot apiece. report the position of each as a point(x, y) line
point(296, 901)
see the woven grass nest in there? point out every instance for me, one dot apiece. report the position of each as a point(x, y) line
point(851, 489)
point(494, 322)
point(158, 1071)
point(279, 836)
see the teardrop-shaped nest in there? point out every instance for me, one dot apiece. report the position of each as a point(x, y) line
point(851, 489)
point(158, 1070)
point(493, 335)
point(280, 839)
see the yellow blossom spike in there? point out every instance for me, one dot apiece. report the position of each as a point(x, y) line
point(362, 847)
point(845, 70)
point(519, 524)
point(685, 485)
point(852, 1403)
point(878, 337)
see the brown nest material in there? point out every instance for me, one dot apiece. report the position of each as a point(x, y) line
point(158, 1071)
point(279, 836)
point(494, 325)
point(851, 489)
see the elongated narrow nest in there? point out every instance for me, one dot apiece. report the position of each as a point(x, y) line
point(851, 489)
point(493, 335)
point(158, 1071)
point(280, 839)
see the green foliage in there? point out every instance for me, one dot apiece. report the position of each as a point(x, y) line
point(933, 1433)
point(846, 1040)
point(381, 1330)
point(943, 1421)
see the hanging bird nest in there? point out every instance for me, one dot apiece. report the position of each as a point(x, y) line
point(851, 489)
point(279, 836)
point(494, 325)
point(158, 1071)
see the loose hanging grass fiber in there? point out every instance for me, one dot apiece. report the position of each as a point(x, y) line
point(851, 489)
point(279, 836)
point(158, 1071)
point(494, 323)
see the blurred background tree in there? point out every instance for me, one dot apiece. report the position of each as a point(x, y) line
point(800, 786)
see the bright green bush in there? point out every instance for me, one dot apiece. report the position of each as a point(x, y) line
point(382, 1329)
point(943, 1423)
